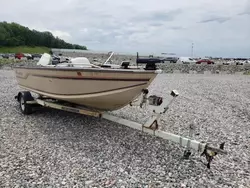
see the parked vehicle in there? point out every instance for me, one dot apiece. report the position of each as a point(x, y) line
point(28, 56)
point(186, 60)
point(11, 56)
point(230, 62)
point(204, 61)
point(240, 62)
point(23, 55)
point(19, 55)
point(6, 56)
point(171, 59)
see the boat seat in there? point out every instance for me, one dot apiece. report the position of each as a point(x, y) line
point(125, 64)
point(80, 62)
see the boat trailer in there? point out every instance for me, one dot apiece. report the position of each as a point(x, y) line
point(27, 102)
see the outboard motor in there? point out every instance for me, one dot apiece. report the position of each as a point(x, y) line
point(150, 62)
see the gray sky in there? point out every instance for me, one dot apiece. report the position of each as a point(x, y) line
point(216, 27)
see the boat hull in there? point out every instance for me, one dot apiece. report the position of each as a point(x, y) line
point(103, 89)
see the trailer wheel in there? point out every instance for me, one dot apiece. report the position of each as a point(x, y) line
point(23, 98)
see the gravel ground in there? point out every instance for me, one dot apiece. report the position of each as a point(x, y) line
point(59, 149)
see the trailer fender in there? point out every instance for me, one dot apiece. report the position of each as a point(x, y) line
point(22, 98)
point(26, 94)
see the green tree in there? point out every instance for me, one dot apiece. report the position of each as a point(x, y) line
point(14, 34)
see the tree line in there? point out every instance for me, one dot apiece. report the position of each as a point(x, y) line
point(14, 34)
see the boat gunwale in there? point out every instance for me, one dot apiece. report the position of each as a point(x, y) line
point(139, 71)
point(88, 78)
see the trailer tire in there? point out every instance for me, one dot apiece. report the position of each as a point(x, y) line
point(23, 98)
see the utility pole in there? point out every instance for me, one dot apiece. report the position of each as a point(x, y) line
point(192, 50)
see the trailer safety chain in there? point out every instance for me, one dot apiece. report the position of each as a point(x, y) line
point(209, 154)
point(144, 97)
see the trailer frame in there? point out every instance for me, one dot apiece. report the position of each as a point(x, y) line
point(27, 102)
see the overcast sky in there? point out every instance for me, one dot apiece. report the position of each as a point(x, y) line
point(216, 27)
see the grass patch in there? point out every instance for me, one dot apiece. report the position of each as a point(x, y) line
point(25, 49)
point(247, 73)
point(8, 61)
